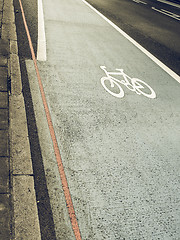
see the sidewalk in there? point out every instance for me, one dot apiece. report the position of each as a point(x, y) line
point(18, 207)
point(5, 196)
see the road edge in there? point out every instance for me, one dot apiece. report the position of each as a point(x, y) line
point(25, 221)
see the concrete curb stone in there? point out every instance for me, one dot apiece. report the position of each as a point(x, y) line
point(24, 191)
point(4, 49)
point(4, 119)
point(5, 233)
point(3, 100)
point(16, 85)
point(3, 79)
point(20, 149)
point(9, 31)
point(3, 61)
point(4, 175)
point(4, 150)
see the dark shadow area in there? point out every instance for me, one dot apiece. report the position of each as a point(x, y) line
point(42, 196)
point(31, 14)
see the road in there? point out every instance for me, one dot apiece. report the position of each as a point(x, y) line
point(119, 148)
point(147, 23)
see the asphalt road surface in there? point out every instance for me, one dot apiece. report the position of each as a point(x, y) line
point(118, 131)
point(154, 24)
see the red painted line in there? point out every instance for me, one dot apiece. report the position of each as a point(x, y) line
point(67, 194)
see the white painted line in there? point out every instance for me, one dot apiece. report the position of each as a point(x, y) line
point(165, 13)
point(169, 3)
point(143, 2)
point(157, 61)
point(178, 16)
point(138, 1)
point(41, 48)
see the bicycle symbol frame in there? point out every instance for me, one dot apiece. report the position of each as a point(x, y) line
point(133, 84)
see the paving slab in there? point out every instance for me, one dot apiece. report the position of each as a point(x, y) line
point(3, 78)
point(8, 17)
point(3, 99)
point(9, 31)
point(3, 119)
point(4, 143)
point(4, 47)
point(1, 4)
point(3, 61)
point(4, 175)
point(0, 17)
point(4, 217)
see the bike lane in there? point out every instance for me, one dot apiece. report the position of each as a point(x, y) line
point(120, 155)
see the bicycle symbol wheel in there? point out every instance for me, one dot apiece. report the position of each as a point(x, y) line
point(112, 87)
point(143, 88)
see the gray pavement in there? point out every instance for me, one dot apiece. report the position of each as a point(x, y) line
point(121, 156)
point(18, 207)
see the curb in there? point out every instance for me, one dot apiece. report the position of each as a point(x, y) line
point(25, 222)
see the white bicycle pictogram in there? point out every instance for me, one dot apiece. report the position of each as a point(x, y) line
point(133, 84)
